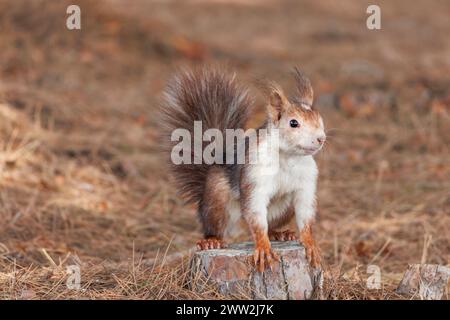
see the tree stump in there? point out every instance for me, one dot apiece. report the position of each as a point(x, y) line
point(429, 281)
point(232, 273)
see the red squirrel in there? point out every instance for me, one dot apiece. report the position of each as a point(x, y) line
point(263, 195)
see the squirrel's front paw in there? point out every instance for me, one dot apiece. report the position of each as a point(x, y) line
point(264, 257)
point(312, 250)
point(313, 255)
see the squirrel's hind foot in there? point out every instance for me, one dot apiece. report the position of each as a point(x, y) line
point(285, 235)
point(211, 243)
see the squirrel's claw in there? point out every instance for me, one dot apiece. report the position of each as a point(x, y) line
point(312, 250)
point(211, 243)
point(313, 256)
point(264, 257)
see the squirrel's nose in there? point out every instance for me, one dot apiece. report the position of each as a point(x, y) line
point(321, 139)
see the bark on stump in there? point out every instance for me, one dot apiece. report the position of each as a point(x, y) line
point(429, 281)
point(232, 273)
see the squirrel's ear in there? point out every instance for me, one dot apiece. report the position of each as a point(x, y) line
point(277, 103)
point(305, 93)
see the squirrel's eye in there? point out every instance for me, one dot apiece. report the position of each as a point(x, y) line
point(294, 123)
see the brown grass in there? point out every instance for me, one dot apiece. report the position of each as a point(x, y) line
point(81, 176)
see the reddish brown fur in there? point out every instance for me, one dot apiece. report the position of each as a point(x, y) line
point(245, 189)
point(311, 116)
point(211, 243)
point(299, 108)
point(264, 256)
point(214, 98)
point(305, 93)
point(209, 95)
point(279, 104)
point(286, 235)
point(213, 205)
point(282, 219)
point(312, 250)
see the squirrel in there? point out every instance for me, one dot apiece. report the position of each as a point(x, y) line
point(225, 194)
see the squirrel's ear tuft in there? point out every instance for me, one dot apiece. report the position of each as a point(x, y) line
point(305, 93)
point(277, 102)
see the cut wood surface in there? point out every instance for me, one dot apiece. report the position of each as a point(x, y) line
point(231, 272)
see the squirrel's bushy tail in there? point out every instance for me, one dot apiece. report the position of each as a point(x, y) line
point(211, 96)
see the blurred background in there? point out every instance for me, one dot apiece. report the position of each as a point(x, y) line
point(82, 179)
